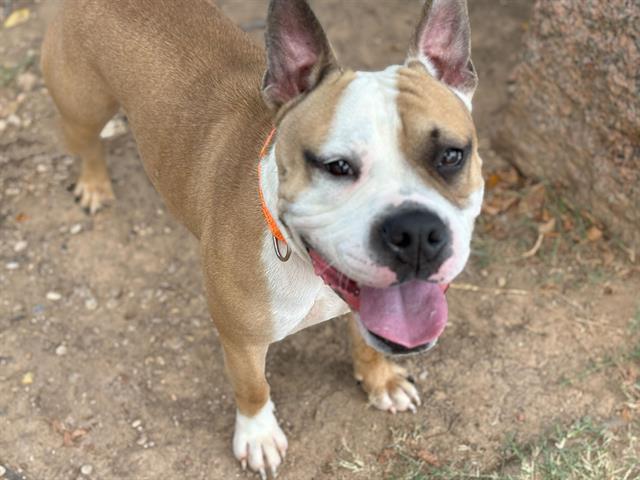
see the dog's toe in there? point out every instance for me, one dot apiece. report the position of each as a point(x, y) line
point(93, 195)
point(259, 441)
point(389, 388)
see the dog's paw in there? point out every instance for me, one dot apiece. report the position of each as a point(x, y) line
point(93, 195)
point(259, 441)
point(389, 387)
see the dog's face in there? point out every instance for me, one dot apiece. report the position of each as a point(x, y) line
point(379, 173)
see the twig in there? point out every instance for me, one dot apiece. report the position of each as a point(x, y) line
point(474, 288)
point(536, 247)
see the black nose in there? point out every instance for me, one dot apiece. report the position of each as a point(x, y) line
point(417, 239)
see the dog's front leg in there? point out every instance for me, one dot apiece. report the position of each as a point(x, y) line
point(258, 440)
point(386, 382)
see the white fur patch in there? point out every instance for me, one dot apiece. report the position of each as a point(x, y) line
point(298, 297)
point(259, 440)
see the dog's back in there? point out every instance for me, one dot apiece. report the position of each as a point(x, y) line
point(179, 69)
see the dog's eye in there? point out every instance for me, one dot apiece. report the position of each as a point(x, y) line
point(451, 160)
point(340, 168)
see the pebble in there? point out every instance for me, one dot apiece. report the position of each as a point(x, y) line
point(75, 229)
point(61, 350)
point(136, 423)
point(423, 375)
point(502, 282)
point(12, 265)
point(14, 120)
point(12, 191)
point(91, 304)
point(42, 168)
point(86, 469)
point(3, 125)
point(53, 296)
point(20, 246)
point(26, 81)
point(2, 471)
point(142, 440)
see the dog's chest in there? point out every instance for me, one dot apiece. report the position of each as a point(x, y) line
point(298, 297)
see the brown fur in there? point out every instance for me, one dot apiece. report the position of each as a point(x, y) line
point(199, 121)
point(440, 109)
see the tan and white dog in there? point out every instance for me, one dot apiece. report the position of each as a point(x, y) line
point(373, 179)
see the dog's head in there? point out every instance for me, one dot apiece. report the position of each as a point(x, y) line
point(379, 174)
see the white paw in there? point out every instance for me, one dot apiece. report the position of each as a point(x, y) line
point(391, 391)
point(93, 195)
point(259, 441)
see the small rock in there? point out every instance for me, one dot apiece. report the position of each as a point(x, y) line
point(423, 375)
point(86, 469)
point(27, 378)
point(20, 246)
point(61, 350)
point(75, 229)
point(2, 471)
point(142, 440)
point(3, 125)
point(12, 191)
point(12, 266)
point(42, 168)
point(26, 81)
point(136, 423)
point(14, 120)
point(53, 296)
point(502, 282)
point(91, 304)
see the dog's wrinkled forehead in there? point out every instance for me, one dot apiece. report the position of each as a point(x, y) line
point(389, 122)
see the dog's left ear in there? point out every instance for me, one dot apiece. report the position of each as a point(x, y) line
point(442, 42)
point(298, 52)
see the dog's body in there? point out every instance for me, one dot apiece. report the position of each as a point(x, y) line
point(190, 81)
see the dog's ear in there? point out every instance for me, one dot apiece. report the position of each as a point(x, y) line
point(442, 42)
point(298, 52)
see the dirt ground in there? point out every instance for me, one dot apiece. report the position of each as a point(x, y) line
point(110, 367)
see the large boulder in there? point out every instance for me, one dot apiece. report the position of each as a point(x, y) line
point(574, 113)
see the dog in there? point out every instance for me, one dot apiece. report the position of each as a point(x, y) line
point(314, 191)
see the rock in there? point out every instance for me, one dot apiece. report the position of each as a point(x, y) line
point(91, 303)
point(574, 115)
point(86, 469)
point(75, 229)
point(12, 266)
point(61, 350)
point(2, 471)
point(3, 125)
point(20, 246)
point(14, 120)
point(54, 296)
point(26, 81)
point(136, 423)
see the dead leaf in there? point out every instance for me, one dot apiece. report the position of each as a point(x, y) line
point(385, 455)
point(533, 200)
point(22, 217)
point(17, 17)
point(492, 181)
point(429, 458)
point(548, 227)
point(594, 234)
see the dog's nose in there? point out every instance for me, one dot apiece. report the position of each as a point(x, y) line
point(416, 238)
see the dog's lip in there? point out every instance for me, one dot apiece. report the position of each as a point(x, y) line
point(397, 349)
point(409, 316)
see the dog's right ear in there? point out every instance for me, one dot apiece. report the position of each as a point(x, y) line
point(298, 52)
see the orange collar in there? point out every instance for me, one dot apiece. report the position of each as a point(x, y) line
point(271, 222)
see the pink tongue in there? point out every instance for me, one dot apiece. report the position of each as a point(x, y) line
point(411, 314)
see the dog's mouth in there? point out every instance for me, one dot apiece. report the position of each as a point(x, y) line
point(406, 317)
